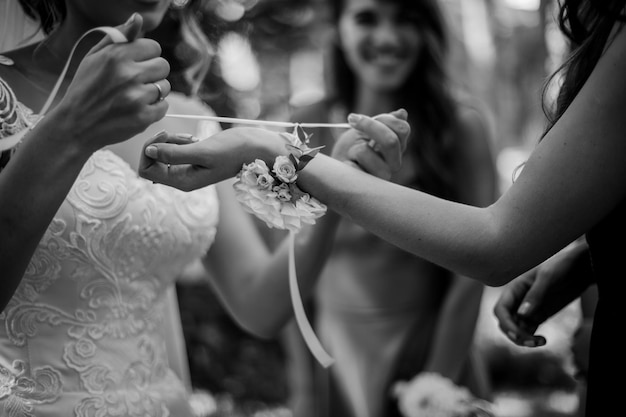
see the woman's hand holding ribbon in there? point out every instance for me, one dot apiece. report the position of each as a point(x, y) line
point(190, 165)
point(116, 93)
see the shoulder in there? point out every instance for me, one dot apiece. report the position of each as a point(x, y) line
point(474, 120)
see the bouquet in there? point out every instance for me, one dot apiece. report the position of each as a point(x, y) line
point(432, 395)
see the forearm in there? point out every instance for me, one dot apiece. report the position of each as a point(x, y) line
point(255, 286)
point(456, 327)
point(469, 244)
point(33, 185)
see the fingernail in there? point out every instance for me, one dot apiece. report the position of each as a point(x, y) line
point(186, 136)
point(524, 308)
point(530, 343)
point(511, 335)
point(159, 134)
point(131, 19)
point(151, 151)
point(354, 118)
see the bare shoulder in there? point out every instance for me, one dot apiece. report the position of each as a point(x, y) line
point(474, 125)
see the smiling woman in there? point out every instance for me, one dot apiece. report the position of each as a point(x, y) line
point(385, 314)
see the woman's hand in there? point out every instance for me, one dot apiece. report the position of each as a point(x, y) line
point(113, 95)
point(188, 165)
point(375, 144)
point(532, 298)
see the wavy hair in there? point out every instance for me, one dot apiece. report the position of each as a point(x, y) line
point(425, 94)
point(587, 24)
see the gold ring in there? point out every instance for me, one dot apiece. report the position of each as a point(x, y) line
point(160, 91)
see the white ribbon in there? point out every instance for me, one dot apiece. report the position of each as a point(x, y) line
point(306, 330)
point(116, 37)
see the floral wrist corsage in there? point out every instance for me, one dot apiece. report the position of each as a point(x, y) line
point(431, 395)
point(272, 194)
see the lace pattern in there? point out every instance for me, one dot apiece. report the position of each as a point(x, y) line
point(14, 117)
point(83, 334)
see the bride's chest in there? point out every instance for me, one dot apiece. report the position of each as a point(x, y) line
point(116, 224)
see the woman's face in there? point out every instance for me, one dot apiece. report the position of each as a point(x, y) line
point(115, 12)
point(380, 41)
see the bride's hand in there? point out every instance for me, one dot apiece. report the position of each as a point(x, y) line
point(375, 144)
point(113, 95)
point(188, 165)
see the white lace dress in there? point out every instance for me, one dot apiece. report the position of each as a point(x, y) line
point(83, 334)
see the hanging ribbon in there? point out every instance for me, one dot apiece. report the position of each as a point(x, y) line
point(115, 36)
point(306, 330)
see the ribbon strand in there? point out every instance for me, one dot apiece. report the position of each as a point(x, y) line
point(273, 123)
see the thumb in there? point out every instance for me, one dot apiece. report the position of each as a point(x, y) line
point(174, 153)
point(400, 114)
point(126, 32)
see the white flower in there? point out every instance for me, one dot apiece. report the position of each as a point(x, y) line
point(284, 169)
point(282, 205)
point(432, 395)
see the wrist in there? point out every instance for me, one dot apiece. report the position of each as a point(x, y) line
point(57, 135)
point(266, 186)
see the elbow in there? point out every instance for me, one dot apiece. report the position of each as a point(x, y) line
point(493, 274)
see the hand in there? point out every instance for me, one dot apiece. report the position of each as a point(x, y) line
point(112, 97)
point(375, 144)
point(532, 298)
point(190, 165)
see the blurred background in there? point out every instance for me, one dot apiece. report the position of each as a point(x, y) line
point(268, 59)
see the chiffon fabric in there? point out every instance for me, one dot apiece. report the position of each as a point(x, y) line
point(85, 333)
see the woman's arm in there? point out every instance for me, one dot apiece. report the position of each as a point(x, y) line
point(251, 280)
point(574, 178)
point(476, 182)
point(101, 106)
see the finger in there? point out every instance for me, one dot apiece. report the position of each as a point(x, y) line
point(369, 160)
point(141, 49)
point(130, 29)
point(400, 114)
point(157, 91)
point(400, 127)
point(175, 154)
point(152, 69)
point(530, 305)
point(386, 138)
point(185, 177)
point(166, 137)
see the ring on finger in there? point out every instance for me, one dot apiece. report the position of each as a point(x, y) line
point(161, 96)
point(372, 144)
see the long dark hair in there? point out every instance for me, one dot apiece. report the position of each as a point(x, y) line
point(49, 13)
point(587, 24)
point(426, 94)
